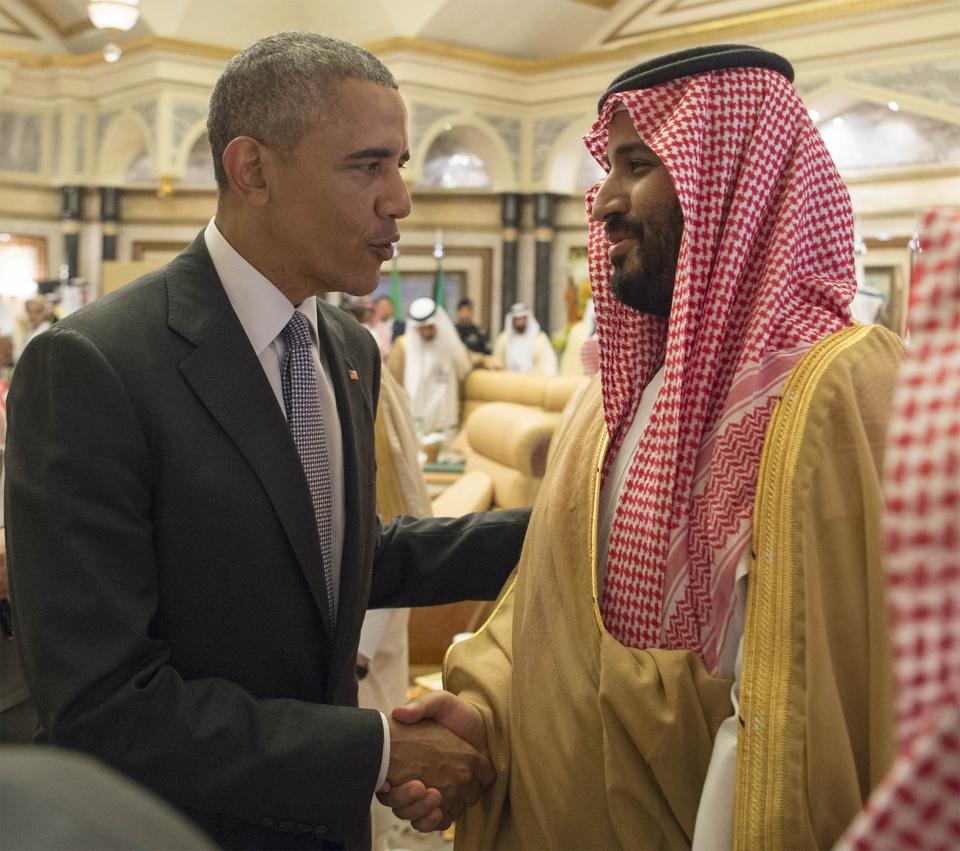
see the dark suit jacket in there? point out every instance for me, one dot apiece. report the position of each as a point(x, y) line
point(166, 569)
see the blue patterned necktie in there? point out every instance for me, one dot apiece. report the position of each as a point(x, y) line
point(305, 419)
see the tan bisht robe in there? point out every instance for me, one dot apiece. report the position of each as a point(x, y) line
point(600, 746)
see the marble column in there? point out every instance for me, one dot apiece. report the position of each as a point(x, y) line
point(510, 208)
point(543, 214)
point(110, 220)
point(71, 215)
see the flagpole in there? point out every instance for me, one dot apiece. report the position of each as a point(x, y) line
point(439, 288)
point(395, 285)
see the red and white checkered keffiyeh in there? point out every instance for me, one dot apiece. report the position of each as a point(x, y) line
point(918, 803)
point(765, 270)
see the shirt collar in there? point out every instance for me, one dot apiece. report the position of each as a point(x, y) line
point(262, 309)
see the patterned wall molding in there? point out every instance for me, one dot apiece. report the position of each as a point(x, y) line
point(56, 142)
point(185, 116)
point(939, 82)
point(870, 136)
point(511, 131)
point(148, 112)
point(104, 120)
point(79, 143)
point(21, 134)
point(422, 117)
point(546, 131)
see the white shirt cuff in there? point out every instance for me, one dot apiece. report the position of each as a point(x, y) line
point(385, 759)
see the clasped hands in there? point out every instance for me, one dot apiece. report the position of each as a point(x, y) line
point(438, 761)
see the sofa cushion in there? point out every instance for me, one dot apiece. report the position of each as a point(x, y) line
point(514, 435)
point(511, 489)
point(473, 491)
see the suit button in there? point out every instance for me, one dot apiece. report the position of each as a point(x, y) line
point(302, 828)
point(320, 829)
point(286, 825)
point(269, 822)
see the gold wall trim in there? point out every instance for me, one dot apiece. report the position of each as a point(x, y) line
point(791, 14)
point(29, 59)
point(909, 174)
point(901, 241)
point(142, 246)
point(33, 61)
point(599, 4)
point(448, 51)
point(682, 6)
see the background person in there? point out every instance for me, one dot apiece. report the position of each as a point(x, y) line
point(432, 363)
point(522, 346)
point(470, 334)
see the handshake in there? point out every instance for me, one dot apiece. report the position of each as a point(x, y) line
point(438, 761)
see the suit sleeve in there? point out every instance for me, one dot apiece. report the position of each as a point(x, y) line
point(87, 601)
point(426, 562)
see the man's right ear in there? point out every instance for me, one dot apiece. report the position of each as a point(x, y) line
point(243, 164)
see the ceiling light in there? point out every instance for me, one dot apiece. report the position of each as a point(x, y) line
point(893, 106)
point(111, 52)
point(113, 14)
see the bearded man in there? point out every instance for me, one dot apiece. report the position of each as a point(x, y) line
point(431, 363)
point(693, 649)
point(522, 346)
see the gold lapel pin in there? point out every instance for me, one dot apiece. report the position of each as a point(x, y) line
point(353, 375)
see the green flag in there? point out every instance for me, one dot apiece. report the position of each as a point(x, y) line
point(439, 289)
point(395, 288)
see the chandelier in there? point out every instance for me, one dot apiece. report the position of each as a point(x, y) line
point(113, 14)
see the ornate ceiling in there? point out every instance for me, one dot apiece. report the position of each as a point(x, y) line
point(516, 29)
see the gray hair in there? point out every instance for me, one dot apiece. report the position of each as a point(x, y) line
point(279, 88)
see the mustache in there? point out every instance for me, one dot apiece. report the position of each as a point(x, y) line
point(617, 223)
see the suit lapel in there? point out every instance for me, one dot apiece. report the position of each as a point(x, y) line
point(227, 377)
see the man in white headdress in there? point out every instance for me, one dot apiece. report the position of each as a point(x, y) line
point(431, 363)
point(522, 346)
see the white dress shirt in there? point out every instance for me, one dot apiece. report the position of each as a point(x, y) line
point(713, 830)
point(264, 312)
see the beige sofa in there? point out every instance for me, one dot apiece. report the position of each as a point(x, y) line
point(508, 422)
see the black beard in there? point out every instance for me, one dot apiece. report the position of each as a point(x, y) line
point(646, 283)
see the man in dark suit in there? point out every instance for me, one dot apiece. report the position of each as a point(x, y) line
point(191, 526)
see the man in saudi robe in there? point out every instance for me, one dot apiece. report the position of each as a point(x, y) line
point(430, 363)
point(693, 651)
point(522, 346)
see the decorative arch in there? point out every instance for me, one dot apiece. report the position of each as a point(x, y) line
point(569, 161)
point(191, 138)
point(124, 141)
point(478, 137)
